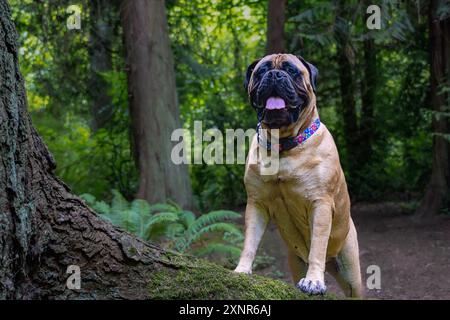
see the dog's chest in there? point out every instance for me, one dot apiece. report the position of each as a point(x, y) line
point(288, 195)
point(288, 181)
point(289, 206)
point(289, 200)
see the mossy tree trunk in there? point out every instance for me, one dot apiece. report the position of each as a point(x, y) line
point(44, 228)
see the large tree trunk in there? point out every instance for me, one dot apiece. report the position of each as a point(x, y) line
point(100, 56)
point(276, 12)
point(438, 186)
point(153, 101)
point(44, 228)
point(345, 57)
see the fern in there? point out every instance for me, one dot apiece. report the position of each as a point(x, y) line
point(158, 207)
point(98, 206)
point(210, 218)
point(102, 207)
point(118, 204)
point(130, 220)
point(142, 209)
point(89, 198)
point(207, 223)
point(162, 218)
point(177, 228)
point(215, 227)
point(187, 218)
point(218, 248)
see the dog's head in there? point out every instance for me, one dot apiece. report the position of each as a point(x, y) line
point(280, 86)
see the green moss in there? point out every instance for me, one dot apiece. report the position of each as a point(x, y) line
point(132, 251)
point(198, 279)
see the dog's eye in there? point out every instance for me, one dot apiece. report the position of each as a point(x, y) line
point(259, 73)
point(292, 71)
point(262, 70)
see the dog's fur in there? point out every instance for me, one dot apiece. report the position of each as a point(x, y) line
point(307, 198)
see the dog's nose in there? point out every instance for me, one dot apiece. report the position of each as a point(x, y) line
point(278, 74)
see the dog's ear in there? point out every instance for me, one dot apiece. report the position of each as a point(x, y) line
point(313, 72)
point(249, 72)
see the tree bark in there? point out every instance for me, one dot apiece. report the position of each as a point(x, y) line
point(344, 57)
point(276, 17)
point(100, 55)
point(153, 102)
point(44, 228)
point(438, 186)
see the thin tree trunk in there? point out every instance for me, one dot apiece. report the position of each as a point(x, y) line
point(100, 56)
point(446, 31)
point(153, 101)
point(44, 228)
point(438, 186)
point(446, 55)
point(347, 88)
point(368, 91)
point(276, 16)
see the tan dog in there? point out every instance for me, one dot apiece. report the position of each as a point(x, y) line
point(307, 197)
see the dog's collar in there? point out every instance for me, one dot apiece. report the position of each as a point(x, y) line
point(289, 142)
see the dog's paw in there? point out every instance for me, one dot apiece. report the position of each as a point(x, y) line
point(312, 286)
point(243, 270)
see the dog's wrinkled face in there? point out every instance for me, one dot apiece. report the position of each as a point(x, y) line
point(279, 87)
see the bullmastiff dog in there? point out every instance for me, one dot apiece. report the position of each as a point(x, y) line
point(307, 197)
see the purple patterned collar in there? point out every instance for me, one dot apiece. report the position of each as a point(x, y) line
point(290, 142)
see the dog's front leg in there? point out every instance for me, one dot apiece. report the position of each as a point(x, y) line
point(314, 282)
point(256, 220)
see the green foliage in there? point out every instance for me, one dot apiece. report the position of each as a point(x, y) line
point(56, 66)
point(400, 159)
point(172, 226)
point(196, 229)
point(213, 42)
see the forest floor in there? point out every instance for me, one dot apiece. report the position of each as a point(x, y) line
point(413, 256)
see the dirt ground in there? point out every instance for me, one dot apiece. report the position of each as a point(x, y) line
point(413, 256)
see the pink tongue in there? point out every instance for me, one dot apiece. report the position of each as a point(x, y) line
point(275, 103)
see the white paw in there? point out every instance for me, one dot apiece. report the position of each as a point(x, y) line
point(243, 270)
point(312, 286)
